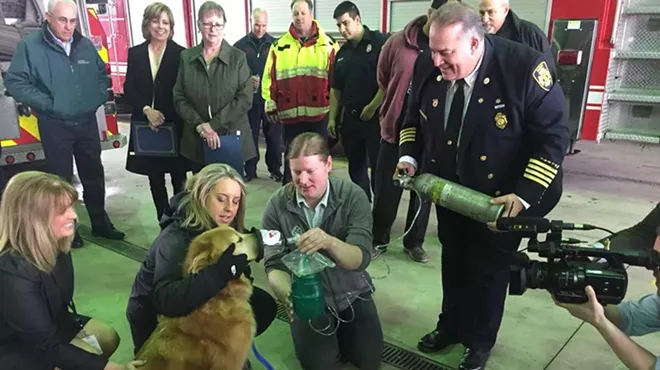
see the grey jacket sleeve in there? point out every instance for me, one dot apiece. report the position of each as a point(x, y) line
point(359, 225)
point(271, 221)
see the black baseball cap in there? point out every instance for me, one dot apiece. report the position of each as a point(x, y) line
point(438, 3)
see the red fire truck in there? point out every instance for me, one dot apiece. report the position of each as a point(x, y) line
point(18, 125)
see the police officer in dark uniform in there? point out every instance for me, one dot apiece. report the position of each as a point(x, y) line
point(500, 20)
point(354, 92)
point(486, 113)
point(256, 45)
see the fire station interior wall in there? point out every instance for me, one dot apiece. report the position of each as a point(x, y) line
point(136, 10)
point(235, 14)
point(370, 13)
point(401, 12)
point(279, 15)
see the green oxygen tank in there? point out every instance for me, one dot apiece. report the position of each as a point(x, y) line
point(455, 197)
point(307, 296)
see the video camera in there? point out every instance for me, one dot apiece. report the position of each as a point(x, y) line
point(569, 269)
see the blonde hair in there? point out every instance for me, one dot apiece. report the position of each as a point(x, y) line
point(30, 202)
point(308, 144)
point(154, 11)
point(199, 188)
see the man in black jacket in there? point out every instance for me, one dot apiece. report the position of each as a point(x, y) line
point(639, 237)
point(256, 45)
point(500, 20)
point(484, 112)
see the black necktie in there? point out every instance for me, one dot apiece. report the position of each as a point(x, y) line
point(452, 130)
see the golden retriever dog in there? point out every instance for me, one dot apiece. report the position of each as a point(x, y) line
point(219, 334)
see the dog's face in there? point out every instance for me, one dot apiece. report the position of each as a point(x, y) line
point(207, 248)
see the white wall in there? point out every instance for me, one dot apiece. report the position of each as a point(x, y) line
point(235, 12)
point(370, 12)
point(135, 11)
point(279, 15)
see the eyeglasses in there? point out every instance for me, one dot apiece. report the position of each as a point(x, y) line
point(64, 21)
point(209, 26)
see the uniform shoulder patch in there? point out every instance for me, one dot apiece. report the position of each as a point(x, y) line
point(542, 76)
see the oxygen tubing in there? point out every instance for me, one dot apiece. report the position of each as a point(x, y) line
point(261, 358)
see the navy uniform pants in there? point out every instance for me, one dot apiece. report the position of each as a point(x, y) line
point(476, 265)
point(272, 134)
point(386, 202)
point(361, 141)
point(64, 140)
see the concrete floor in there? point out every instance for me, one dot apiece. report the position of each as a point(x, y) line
point(599, 188)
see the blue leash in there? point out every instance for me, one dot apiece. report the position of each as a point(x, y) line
point(261, 358)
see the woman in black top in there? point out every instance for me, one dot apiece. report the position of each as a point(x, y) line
point(37, 329)
point(214, 196)
point(151, 73)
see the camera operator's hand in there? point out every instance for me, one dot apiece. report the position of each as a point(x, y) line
point(512, 207)
point(591, 312)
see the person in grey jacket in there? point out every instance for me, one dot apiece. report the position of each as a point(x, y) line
point(330, 216)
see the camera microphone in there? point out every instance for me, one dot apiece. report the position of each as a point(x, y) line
point(537, 225)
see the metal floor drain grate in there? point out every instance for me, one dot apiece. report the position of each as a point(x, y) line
point(392, 355)
point(614, 178)
point(122, 247)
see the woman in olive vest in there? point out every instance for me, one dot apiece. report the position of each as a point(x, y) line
point(213, 91)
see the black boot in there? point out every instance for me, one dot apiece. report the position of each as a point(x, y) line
point(105, 229)
point(436, 341)
point(77, 241)
point(474, 359)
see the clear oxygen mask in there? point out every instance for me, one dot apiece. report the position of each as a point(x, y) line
point(307, 294)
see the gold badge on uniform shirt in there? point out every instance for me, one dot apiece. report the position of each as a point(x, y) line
point(435, 103)
point(500, 120)
point(368, 48)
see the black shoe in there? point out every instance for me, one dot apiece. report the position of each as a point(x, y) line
point(378, 250)
point(436, 341)
point(276, 176)
point(108, 232)
point(77, 242)
point(474, 359)
point(417, 254)
point(249, 178)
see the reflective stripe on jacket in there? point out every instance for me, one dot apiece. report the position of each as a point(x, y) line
point(296, 81)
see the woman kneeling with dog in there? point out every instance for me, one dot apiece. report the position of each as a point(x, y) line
point(214, 196)
point(37, 330)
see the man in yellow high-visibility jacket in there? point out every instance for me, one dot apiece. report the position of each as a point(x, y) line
point(296, 78)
